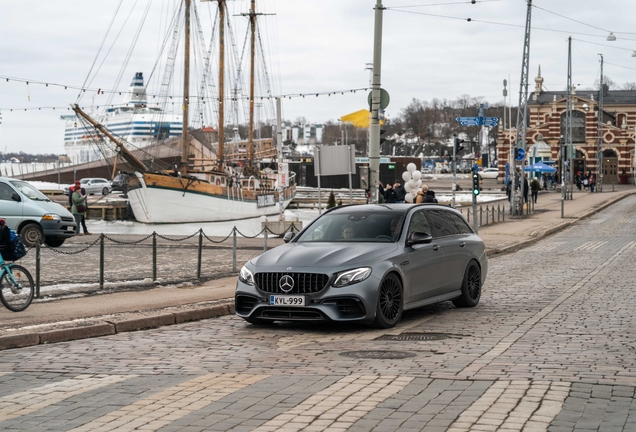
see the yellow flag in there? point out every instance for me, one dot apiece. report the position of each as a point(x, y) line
point(361, 119)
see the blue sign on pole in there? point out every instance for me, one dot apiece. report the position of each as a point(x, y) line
point(521, 154)
point(478, 121)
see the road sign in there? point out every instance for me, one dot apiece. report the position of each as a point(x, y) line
point(468, 121)
point(491, 121)
point(521, 154)
point(384, 98)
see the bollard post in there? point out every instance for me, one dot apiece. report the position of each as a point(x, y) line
point(154, 256)
point(503, 213)
point(265, 238)
point(481, 215)
point(200, 253)
point(486, 215)
point(492, 215)
point(101, 261)
point(37, 270)
point(234, 250)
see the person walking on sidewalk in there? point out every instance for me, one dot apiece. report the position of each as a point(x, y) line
point(78, 207)
point(592, 181)
point(534, 188)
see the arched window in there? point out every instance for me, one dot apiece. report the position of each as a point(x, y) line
point(578, 126)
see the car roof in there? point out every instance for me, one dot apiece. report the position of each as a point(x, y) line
point(397, 208)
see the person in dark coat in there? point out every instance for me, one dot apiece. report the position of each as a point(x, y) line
point(525, 189)
point(429, 195)
point(389, 195)
point(400, 192)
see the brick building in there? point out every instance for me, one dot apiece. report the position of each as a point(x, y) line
point(546, 113)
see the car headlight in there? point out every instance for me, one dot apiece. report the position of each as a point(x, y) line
point(52, 217)
point(352, 276)
point(246, 276)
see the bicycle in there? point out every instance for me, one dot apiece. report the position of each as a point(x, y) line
point(16, 286)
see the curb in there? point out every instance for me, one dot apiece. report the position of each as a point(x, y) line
point(108, 328)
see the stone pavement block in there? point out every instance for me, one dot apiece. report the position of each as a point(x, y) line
point(19, 341)
point(77, 333)
point(143, 323)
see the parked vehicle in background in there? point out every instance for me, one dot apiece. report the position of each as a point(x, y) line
point(32, 215)
point(119, 183)
point(489, 173)
point(93, 186)
point(365, 263)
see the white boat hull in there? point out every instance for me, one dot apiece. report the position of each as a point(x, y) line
point(162, 205)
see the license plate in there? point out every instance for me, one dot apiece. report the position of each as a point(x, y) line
point(277, 300)
point(70, 229)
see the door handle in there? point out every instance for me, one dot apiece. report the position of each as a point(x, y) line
point(435, 247)
point(462, 244)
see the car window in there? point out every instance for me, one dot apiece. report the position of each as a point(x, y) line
point(354, 227)
point(6, 192)
point(419, 223)
point(442, 227)
point(459, 223)
point(29, 191)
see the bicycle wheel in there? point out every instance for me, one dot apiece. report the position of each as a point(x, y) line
point(17, 296)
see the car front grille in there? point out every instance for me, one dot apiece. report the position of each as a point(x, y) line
point(304, 283)
point(67, 219)
point(291, 313)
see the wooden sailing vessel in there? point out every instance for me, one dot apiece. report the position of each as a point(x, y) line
point(204, 188)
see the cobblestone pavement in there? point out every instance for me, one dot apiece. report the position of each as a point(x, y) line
point(550, 347)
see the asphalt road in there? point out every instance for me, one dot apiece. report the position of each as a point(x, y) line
point(551, 346)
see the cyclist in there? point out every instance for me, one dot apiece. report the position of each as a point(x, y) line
point(5, 237)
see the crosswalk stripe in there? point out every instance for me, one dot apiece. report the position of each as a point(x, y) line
point(27, 402)
point(161, 409)
point(514, 405)
point(338, 406)
point(591, 245)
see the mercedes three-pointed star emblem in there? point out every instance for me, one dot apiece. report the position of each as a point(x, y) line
point(286, 283)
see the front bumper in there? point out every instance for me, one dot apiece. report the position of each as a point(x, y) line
point(354, 303)
point(63, 228)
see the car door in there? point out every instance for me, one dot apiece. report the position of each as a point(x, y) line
point(10, 209)
point(463, 245)
point(445, 235)
point(425, 261)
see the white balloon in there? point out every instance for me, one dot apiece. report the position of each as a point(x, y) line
point(416, 175)
point(411, 167)
point(408, 187)
point(408, 198)
point(419, 184)
point(406, 176)
point(412, 183)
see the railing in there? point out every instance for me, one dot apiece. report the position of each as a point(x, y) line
point(149, 260)
point(486, 215)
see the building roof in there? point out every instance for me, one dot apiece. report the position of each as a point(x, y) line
point(613, 97)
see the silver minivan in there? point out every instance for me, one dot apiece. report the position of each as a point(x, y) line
point(32, 215)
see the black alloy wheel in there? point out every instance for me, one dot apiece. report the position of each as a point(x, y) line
point(471, 286)
point(390, 302)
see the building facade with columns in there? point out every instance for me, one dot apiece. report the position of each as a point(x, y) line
point(546, 120)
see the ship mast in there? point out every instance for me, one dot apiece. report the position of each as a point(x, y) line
point(221, 133)
point(250, 139)
point(186, 91)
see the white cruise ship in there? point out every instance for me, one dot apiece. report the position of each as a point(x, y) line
point(133, 121)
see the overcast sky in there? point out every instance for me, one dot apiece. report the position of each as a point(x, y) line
point(429, 51)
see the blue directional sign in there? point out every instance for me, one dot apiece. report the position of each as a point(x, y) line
point(521, 154)
point(491, 121)
point(478, 121)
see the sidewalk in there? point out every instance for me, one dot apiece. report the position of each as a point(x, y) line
point(99, 315)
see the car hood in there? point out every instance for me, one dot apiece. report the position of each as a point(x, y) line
point(49, 207)
point(323, 254)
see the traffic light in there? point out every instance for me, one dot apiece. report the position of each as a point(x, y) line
point(458, 145)
point(382, 140)
point(475, 182)
point(517, 153)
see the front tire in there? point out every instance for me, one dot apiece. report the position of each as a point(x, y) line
point(17, 298)
point(390, 302)
point(31, 235)
point(471, 286)
point(105, 191)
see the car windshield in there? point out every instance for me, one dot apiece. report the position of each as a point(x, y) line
point(29, 191)
point(354, 227)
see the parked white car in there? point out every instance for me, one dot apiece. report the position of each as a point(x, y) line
point(489, 173)
point(93, 186)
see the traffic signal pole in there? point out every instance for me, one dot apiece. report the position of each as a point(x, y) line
point(374, 128)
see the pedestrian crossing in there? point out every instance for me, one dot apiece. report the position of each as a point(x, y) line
point(590, 246)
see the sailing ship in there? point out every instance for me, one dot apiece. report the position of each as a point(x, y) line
point(206, 185)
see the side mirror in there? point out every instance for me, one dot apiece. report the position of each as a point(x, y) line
point(288, 236)
point(419, 237)
point(16, 197)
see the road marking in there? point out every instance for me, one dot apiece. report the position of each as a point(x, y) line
point(161, 409)
point(514, 405)
point(338, 406)
point(590, 246)
point(545, 247)
point(472, 369)
point(27, 402)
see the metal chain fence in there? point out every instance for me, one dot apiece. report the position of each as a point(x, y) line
point(109, 263)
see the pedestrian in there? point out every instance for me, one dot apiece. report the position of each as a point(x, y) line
point(585, 181)
point(78, 207)
point(400, 192)
point(534, 188)
point(429, 195)
point(544, 177)
point(509, 189)
point(578, 180)
point(525, 188)
point(592, 181)
point(390, 197)
point(419, 199)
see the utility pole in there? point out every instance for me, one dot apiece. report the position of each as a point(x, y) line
point(522, 113)
point(599, 142)
point(374, 129)
point(568, 120)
